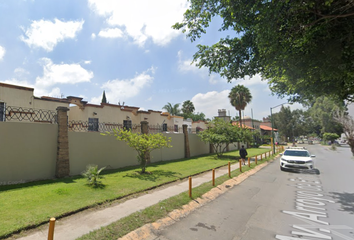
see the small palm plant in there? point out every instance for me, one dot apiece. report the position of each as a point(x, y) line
point(92, 174)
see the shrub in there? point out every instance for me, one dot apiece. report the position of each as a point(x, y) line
point(92, 174)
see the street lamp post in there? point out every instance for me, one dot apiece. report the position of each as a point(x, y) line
point(271, 119)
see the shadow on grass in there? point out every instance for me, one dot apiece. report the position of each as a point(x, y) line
point(97, 186)
point(66, 180)
point(153, 176)
point(227, 157)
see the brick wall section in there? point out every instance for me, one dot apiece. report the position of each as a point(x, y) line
point(62, 164)
point(187, 152)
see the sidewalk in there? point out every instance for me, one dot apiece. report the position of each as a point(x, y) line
point(72, 227)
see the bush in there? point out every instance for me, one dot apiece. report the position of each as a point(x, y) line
point(92, 174)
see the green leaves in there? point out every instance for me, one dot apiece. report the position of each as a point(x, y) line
point(220, 134)
point(304, 48)
point(92, 174)
point(142, 143)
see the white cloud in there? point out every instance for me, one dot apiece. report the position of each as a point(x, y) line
point(210, 102)
point(87, 62)
point(186, 66)
point(119, 90)
point(47, 34)
point(248, 82)
point(2, 52)
point(143, 19)
point(62, 74)
point(55, 92)
point(111, 33)
point(21, 72)
point(93, 36)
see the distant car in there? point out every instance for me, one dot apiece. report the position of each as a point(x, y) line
point(296, 158)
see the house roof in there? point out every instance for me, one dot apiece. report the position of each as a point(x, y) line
point(16, 87)
point(266, 128)
point(64, 100)
point(234, 123)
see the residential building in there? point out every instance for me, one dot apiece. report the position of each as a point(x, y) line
point(19, 104)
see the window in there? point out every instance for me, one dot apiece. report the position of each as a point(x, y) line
point(93, 124)
point(296, 153)
point(176, 128)
point(127, 124)
point(164, 127)
point(2, 112)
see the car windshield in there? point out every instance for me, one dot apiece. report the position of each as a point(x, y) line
point(296, 153)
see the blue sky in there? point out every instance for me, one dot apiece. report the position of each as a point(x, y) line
point(127, 48)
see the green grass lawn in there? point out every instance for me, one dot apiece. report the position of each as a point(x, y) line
point(158, 211)
point(26, 205)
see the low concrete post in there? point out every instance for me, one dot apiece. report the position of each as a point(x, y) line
point(62, 164)
point(187, 152)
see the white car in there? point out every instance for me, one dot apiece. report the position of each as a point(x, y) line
point(296, 158)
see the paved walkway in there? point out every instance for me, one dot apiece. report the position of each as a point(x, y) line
point(72, 227)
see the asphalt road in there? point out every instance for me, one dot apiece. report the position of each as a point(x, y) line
point(273, 204)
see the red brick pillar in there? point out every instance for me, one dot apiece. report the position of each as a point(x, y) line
point(62, 165)
point(187, 152)
point(145, 130)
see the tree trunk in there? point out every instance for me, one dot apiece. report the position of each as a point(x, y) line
point(351, 145)
point(239, 112)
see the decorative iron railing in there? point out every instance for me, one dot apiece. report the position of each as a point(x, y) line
point(21, 114)
point(86, 126)
point(164, 128)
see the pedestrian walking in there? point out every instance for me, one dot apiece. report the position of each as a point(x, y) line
point(243, 154)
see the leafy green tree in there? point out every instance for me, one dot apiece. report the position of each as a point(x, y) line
point(348, 127)
point(144, 144)
point(283, 121)
point(239, 97)
point(330, 137)
point(187, 108)
point(198, 116)
point(305, 48)
point(221, 134)
point(322, 112)
point(104, 99)
point(172, 109)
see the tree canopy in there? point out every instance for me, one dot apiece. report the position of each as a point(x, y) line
point(304, 49)
point(104, 99)
point(143, 144)
point(172, 109)
point(239, 97)
point(187, 107)
point(220, 134)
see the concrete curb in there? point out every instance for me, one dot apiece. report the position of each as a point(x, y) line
point(149, 231)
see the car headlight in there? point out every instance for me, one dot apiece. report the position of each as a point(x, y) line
point(283, 159)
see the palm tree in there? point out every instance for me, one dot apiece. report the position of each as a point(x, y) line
point(239, 97)
point(187, 107)
point(172, 109)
